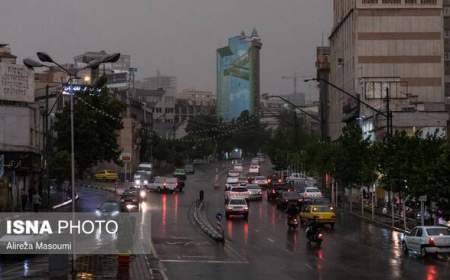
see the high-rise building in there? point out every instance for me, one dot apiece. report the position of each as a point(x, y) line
point(238, 76)
point(387, 50)
point(167, 83)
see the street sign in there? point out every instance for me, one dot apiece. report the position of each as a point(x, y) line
point(423, 198)
point(219, 217)
point(2, 165)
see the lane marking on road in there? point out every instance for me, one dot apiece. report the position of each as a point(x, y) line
point(271, 240)
point(308, 266)
point(205, 261)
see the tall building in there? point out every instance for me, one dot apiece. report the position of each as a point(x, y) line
point(238, 76)
point(20, 131)
point(323, 72)
point(388, 48)
point(168, 83)
point(446, 12)
point(191, 103)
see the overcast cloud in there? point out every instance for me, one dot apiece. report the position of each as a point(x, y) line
point(178, 37)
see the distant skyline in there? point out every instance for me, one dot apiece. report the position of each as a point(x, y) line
point(177, 37)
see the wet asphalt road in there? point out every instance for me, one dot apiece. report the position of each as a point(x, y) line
point(262, 248)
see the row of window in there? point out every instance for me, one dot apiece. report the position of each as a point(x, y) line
point(423, 2)
point(166, 110)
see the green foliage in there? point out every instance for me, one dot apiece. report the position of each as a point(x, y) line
point(95, 131)
point(59, 166)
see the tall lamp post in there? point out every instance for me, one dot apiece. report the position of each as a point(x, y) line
point(93, 65)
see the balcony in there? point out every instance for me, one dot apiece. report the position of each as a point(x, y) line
point(400, 3)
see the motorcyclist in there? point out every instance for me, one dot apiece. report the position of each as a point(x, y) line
point(313, 227)
point(292, 210)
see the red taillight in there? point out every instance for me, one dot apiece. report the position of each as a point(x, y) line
point(431, 242)
point(270, 180)
point(273, 191)
point(279, 180)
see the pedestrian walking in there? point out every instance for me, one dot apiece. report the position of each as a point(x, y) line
point(36, 201)
point(24, 199)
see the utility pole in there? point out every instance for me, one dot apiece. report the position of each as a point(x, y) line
point(46, 138)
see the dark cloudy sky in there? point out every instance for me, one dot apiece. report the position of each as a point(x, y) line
point(179, 37)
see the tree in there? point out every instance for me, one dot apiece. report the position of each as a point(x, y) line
point(97, 118)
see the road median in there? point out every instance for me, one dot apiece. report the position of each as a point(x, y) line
point(201, 220)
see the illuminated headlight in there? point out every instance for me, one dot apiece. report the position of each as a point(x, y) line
point(137, 182)
point(98, 213)
point(115, 213)
point(145, 182)
point(245, 207)
point(142, 193)
point(130, 206)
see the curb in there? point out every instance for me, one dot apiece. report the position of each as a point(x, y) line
point(57, 206)
point(204, 224)
point(376, 222)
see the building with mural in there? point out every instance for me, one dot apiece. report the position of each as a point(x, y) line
point(238, 76)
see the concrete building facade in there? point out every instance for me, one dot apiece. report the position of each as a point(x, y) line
point(388, 48)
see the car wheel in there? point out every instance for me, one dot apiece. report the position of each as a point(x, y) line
point(405, 248)
point(423, 252)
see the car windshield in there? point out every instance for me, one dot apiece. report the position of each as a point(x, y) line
point(437, 231)
point(238, 202)
point(322, 208)
point(239, 189)
point(253, 187)
point(109, 207)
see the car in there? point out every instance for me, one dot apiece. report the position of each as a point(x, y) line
point(311, 192)
point(161, 184)
point(243, 180)
point(106, 175)
point(236, 206)
point(323, 214)
point(254, 192)
point(238, 167)
point(189, 169)
point(232, 181)
point(180, 174)
point(236, 192)
point(286, 198)
point(130, 200)
point(427, 240)
point(254, 169)
point(261, 181)
point(173, 184)
point(251, 177)
point(141, 179)
point(255, 161)
point(145, 167)
point(233, 173)
point(109, 208)
point(275, 180)
point(276, 191)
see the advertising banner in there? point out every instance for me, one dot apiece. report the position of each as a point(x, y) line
point(16, 83)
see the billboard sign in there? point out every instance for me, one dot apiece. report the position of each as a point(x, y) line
point(16, 83)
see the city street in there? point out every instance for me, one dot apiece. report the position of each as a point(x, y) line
point(263, 249)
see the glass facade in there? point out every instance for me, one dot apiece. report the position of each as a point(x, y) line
point(237, 77)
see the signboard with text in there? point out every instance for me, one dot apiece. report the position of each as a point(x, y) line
point(16, 83)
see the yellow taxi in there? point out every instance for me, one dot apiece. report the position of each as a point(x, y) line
point(106, 175)
point(324, 214)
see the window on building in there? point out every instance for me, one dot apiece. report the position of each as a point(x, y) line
point(378, 89)
point(428, 2)
point(410, 1)
point(370, 1)
point(391, 1)
point(158, 110)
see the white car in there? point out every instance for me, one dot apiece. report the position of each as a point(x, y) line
point(237, 206)
point(311, 192)
point(232, 181)
point(233, 173)
point(255, 161)
point(254, 192)
point(163, 184)
point(427, 239)
point(254, 169)
point(239, 191)
point(295, 177)
point(238, 167)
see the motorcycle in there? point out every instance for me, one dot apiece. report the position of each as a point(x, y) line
point(292, 222)
point(314, 236)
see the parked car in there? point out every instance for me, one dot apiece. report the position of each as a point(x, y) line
point(236, 206)
point(189, 169)
point(286, 198)
point(180, 174)
point(311, 192)
point(254, 192)
point(106, 175)
point(427, 240)
point(323, 214)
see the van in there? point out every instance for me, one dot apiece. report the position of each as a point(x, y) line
point(146, 167)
